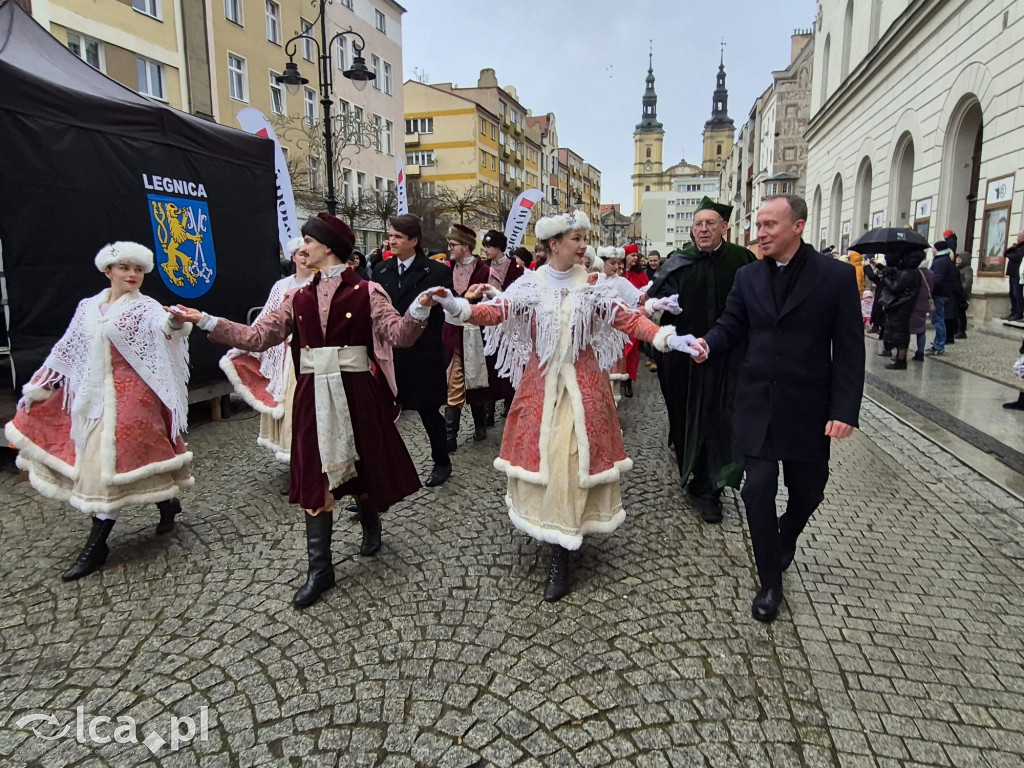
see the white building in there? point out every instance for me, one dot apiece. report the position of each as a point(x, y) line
point(917, 118)
point(668, 216)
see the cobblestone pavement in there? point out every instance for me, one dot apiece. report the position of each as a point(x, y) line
point(902, 642)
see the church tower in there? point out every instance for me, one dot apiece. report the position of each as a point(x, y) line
point(719, 131)
point(648, 142)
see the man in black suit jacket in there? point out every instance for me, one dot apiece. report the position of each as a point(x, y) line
point(420, 371)
point(800, 382)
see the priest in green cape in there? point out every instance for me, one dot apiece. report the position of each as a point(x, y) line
point(699, 398)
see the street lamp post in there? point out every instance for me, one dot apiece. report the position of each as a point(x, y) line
point(358, 73)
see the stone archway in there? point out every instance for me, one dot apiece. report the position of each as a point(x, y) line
point(862, 200)
point(961, 170)
point(835, 217)
point(901, 181)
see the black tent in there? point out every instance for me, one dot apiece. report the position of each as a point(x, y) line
point(85, 161)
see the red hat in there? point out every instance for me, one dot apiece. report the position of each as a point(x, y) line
point(332, 232)
point(948, 232)
point(631, 248)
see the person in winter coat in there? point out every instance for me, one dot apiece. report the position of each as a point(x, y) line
point(963, 265)
point(900, 286)
point(919, 317)
point(947, 285)
point(857, 261)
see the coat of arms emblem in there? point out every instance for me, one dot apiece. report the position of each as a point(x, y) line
point(185, 256)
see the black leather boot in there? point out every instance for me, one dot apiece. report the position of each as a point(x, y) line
point(94, 553)
point(369, 519)
point(558, 575)
point(489, 414)
point(320, 577)
point(627, 388)
point(506, 406)
point(168, 511)
point(479, 422)
point(452, 417)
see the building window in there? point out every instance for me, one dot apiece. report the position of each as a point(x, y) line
point(648, 151)
point(494, 130)
point(483, 127)
point(492, 162)
point(88, 50)
point(313, 172)
point(421, 157)
point(375, 68)
point(233, 11)
point(309, 105)
point(378, 133)
point(360, 185)
point(151, 79)
point(483, 159)
point(379, 185)
point(148, 7)
point(346, 185)
point(357, 124)
point(420, 125)
point(718, 151)
point(307, 45)
point(501, 168)
point(381, 22)
point(273, 22)
point(387, 78)
point(342, 55)
point(276, 95)
point(389, 137)
point(238, 86)
point(346, 3)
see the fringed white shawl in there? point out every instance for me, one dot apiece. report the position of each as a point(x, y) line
point(532, 322)
point(135, 325)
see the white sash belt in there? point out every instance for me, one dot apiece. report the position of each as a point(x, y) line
point(474, 366)
point(338, 454)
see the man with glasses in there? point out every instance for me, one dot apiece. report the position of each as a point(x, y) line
point(699, 399)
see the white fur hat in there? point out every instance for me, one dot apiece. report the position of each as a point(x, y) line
point(593, 260)
point(124, 251)
point(553, 226)
point(610, 253)
point(293, 245)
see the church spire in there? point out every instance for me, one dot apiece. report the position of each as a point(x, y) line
point(720, 104)
point(649, 120)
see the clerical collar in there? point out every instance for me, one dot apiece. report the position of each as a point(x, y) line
point(716, 250)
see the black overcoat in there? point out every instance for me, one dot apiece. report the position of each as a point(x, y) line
point(804, 362)
point(420, 371)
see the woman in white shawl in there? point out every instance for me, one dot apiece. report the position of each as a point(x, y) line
point(100, 424)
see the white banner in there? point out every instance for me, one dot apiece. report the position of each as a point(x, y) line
point(255, 122)
point(519, 217)
point(403, 196)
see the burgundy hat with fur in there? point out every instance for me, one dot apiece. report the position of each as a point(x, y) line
point(459, 233)
point(332, 232)
point(496, 239)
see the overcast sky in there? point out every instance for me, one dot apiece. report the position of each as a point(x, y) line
point(586, 60)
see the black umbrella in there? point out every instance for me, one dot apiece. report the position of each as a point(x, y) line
point(889, 240)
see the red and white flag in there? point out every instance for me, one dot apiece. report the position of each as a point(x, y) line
point(519, 217)
point(255, 122)
point(403, 195)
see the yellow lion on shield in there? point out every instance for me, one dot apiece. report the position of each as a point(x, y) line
point(171, 231)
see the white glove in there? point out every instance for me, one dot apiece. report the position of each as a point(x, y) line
point(687, 344)
point(450, 302)
point(490, 292)
point(668, 304)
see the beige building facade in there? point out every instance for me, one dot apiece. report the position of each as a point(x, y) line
point(941, 146)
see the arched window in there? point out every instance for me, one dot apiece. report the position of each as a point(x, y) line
point(648, 151)
point(718, 151)
point(825, 56)
point(844, 64)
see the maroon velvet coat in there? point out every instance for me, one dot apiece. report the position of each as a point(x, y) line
point(453, 339)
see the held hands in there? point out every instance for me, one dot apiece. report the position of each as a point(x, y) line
point(180, 315)
point(480, 290)
point(703, 356)
point(441, 296)
point(687, 344)
point(429, 298)
point(668, 304)
point(838, 429)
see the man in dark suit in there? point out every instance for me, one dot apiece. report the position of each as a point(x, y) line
point(420, 371)
point(800, 382)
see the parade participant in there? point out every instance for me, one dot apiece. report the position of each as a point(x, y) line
point(700, 400)
point(504, 272)
point(464, 347)
point(522, 257)
point(653, 265)
point(635, 274)
point(266, 381)
point(420, 371)
point(540, 256)
point(344, 439)
point(612, 260)
point(800, 383)
point(556, 335)
point(100, 424)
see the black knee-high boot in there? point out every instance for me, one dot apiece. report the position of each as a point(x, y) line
point(94, 553)
point(558, 575)
point(168, 511)
point(489, 414)
point(479, 422)
point(452, 417)
point(320, 576)
point(369, 519)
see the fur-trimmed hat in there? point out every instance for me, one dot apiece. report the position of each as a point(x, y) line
point(593, 260)
point(632, 248)
point(124, 251)
point(553, 226)
point(611, 253)
point(332, 232)
point(293, 245)
point(463, 235)
point(496, 239)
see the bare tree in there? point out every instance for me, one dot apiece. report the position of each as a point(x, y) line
point(496, 209)
point(465, 205)
point(434, 221)
point(382, 206)
point(355, 209)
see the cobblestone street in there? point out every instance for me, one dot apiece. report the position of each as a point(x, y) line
point(901, 643)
